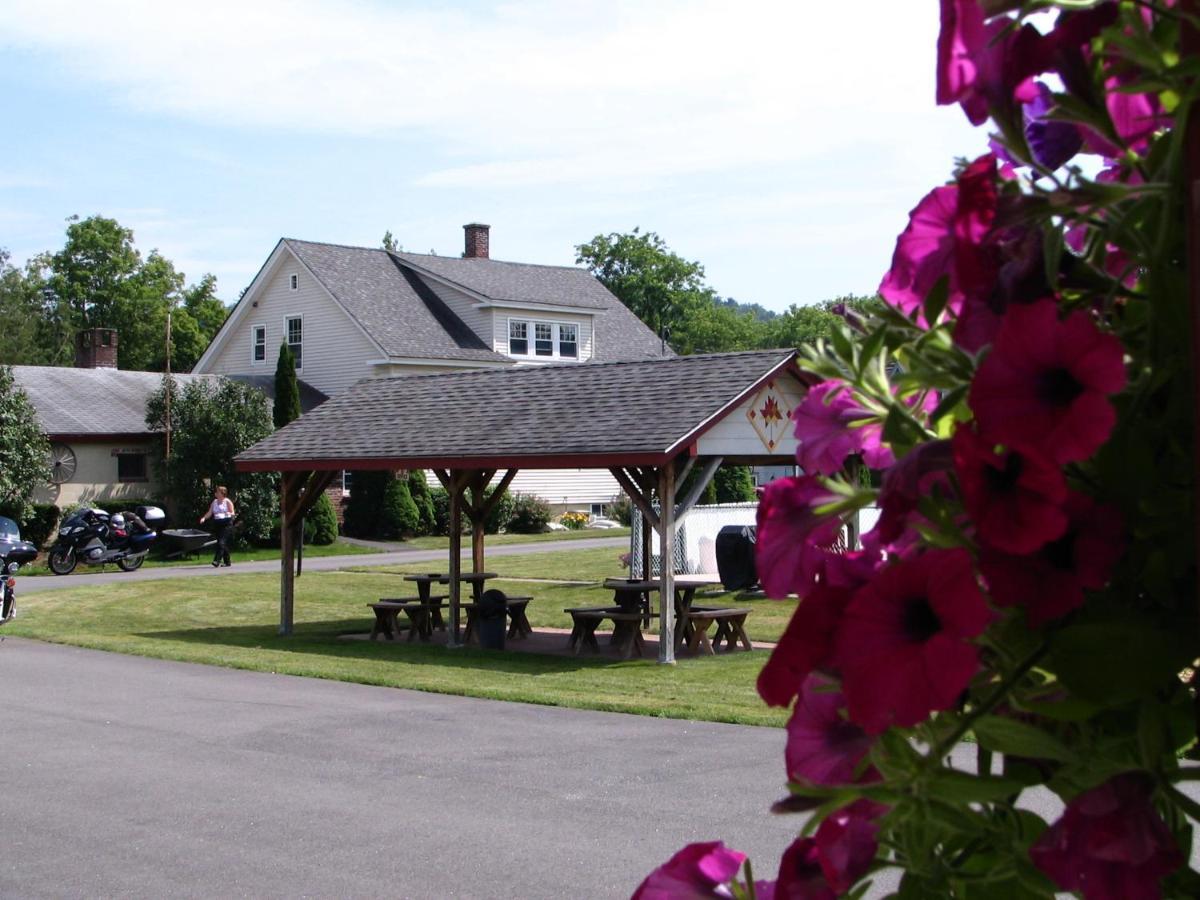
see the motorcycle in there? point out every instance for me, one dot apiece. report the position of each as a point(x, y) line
point(13, 552)
point(95, 538)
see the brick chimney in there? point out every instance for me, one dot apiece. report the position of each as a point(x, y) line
point(96, 348)
point(477, 241)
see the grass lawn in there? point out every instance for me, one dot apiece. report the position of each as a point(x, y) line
point(337, 548)
point(231, 621)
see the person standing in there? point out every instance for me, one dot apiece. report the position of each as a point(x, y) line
point(221, 511)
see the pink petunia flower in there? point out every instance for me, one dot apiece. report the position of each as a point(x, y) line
point(924, 252)
point(790, 535)
point(1050, 583)
point(805, 645)
point(1110, 843)
point(904, 644)
point(695, 872)
point(1013, 495)
point(800, 876)
point(1046, 383)
point(905, 483)
point(846, 843)
point(823, 747)
point(823, 428)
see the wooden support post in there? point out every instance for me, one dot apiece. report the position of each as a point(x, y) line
point(287, 584)
point(457, 485)
point(666, 567)
point(706, 475)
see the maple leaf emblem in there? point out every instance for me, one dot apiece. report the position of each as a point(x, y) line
point(770, 410)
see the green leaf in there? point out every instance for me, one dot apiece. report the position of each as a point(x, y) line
point(936, 299)
point(1114, 662)
point(1016, 738)
point(949, 401)
point(962, 787)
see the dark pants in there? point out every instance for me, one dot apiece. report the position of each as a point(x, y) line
point(221, 531)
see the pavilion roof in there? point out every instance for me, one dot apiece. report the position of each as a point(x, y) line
point(639, 412)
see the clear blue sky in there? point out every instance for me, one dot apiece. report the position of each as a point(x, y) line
point(780, 144)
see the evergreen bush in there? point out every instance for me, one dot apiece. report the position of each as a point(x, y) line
point(418, 487)
point(320, 525)
point(399, 517)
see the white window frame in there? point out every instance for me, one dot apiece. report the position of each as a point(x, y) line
point(255, 330)
point(294, 281)
point(556, 330)
point(287, 338)
point(347, 479)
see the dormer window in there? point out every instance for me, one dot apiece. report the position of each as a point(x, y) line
point(518, 338)
point(551, 340)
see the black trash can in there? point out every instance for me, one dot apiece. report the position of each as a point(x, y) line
point(492, 618)
point(735, 557)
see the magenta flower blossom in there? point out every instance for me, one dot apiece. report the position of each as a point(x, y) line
point(790, 535)
point(904, 644)
point(697, 871)
point(1051, 142)
point(823, 747)
point(800, 876)
point(984, 64)
point(924, 252)
point(1013, 495)
point(846, 843)
point(911, 478)
point(1046, 383)
point(1111, 843)
point(1050, 583)
point(828, 430)
point(806, 645)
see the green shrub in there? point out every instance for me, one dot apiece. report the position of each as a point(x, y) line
point(498, 518)
point(530, 514)
point(418, 487)
point(38, 525)
point(363, 511)
point(320, 525)
point(734, 484)
point(399, 517)
point(620, 508)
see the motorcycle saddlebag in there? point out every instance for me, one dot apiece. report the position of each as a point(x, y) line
point(151, 514)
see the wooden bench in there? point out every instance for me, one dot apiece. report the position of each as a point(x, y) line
point(420, 615)
point(627, 629)
point(731, 628)
point(518, 622)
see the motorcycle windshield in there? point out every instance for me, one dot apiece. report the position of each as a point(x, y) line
point(9, 532)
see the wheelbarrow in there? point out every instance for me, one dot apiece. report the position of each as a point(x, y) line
point(187, 541)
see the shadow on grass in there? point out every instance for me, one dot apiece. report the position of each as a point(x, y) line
point(323, 639)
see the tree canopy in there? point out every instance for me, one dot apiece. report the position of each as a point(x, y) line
point(212, 420)
point(669, 294)
point(24, 451)
point(99, 279)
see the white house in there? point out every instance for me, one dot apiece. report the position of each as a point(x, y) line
point(350, 313)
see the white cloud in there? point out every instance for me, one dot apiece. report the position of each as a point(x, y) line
point(531, 93)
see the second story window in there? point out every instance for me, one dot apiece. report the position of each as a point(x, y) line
point(568, 341)
point(518, 338)
point(294, 281)
point(543, 338)
point(259, 344)
point(295, 338)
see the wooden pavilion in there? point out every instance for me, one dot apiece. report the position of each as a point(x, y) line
point(650, 422)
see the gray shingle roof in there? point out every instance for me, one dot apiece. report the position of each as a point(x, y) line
point(109, 401)
point(396, 310)
point(91, 401)
point(545, 415)
point(398, 305)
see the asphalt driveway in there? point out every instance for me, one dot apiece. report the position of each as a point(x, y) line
point(145, 778)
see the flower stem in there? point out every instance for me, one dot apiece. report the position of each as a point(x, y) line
point(1184, 802)
point(987, 705)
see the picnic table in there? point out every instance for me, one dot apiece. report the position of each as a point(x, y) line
point(693, 622)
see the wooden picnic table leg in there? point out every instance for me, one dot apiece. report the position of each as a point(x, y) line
point(739, 629)
point(699, 640)
point(589, 636)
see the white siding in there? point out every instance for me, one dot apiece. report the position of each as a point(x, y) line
point(735, 435)
point(463, 306)
point(561, 488)
point(95, 476)
point(335, 349)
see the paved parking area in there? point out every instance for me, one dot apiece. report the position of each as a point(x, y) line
point(145, 778)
